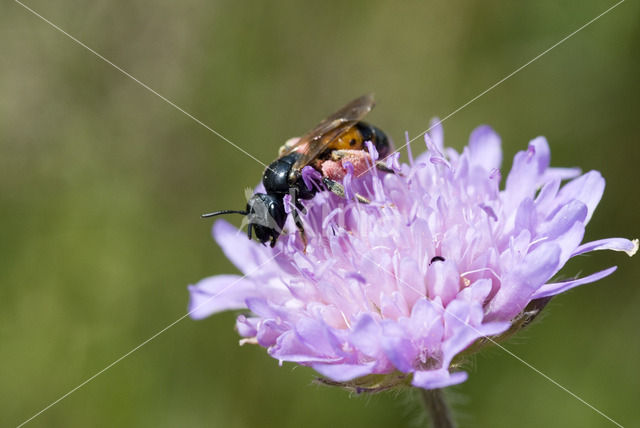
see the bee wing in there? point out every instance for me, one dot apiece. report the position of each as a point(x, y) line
point(331, 128)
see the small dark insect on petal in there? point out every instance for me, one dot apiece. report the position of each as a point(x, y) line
point(436, 259)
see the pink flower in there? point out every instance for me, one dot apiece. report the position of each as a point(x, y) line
point(400, 287)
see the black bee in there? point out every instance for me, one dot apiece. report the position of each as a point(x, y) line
point(340, 135)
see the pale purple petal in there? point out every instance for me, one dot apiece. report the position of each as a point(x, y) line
point(434, 379)
point(478, 291)
point(426, 323)
point(552, 174)
point(615, 244)
point(348, 188)
point(443, 281)
point(247, 327)
point(467, 334)
point(436, 155)
point(218, 293)
point(398, 347)
point(517, 287)
point(485, 148)
point(371, 148)
point(526, 216)
point(545, 201)
point(312, 178)
point(246, 255)
point(436, 132)
point(290, 348)
point(317, 336)
point(344, 372)
point(542, 153)
point(365, 335)
point(525, 176)
point(568, 215)
point(568, 241)
point(288, 203)
point(268, 332)
point(587, 188)
point(560, 287)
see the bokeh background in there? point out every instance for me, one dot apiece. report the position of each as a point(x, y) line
point(102, 184)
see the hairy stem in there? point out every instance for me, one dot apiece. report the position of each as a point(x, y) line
point(437, 409)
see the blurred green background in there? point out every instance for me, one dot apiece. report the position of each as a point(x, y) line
point(102, 184)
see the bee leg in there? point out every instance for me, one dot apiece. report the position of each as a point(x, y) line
point(338, 189)
point(336, 155)
point(384, 168)
point(301, 208)
point(249, 231)
point(298, 221)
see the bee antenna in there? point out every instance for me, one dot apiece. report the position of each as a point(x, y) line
point(215, 213)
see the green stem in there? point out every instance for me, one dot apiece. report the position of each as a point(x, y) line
point(437, 409)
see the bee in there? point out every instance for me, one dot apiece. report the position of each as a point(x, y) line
point(338, 138)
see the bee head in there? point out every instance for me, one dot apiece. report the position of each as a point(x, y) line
point(266, 216)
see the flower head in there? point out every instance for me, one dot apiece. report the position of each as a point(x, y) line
point(398, 289)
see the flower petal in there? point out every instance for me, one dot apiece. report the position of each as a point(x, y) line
point(246, 255)
point(425, 324)
point(467, 334)
point(570, 213)
point(269, 331)
point(344, 372)
point(615, 244)
point(587, 188)
point(219, 293)
point(485, 148)
point(552, 174)
point(317, 336)
point(525, 175)
point(434, 379)
point(398, 347)
point(247, 327)
point(443, 280)
point(560, 287)
point(365, 334)
point(518, 285)
point(290, 348)
point(436, 132)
